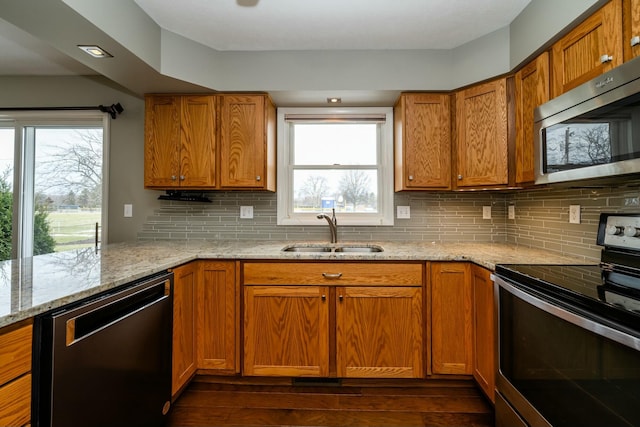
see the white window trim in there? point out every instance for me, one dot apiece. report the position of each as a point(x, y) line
point(285, 171)
point(23, 171)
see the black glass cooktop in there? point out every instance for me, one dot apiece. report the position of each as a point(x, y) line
point(578, 288)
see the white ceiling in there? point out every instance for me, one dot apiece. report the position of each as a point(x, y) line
point(263, 25)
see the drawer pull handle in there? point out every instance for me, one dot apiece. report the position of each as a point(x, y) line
point(332, 275)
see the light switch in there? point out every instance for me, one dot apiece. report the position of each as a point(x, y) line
point(128, 210)
point(403, 212)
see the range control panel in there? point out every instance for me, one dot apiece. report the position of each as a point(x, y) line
point(619, 230)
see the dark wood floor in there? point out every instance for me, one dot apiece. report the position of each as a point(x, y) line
point(207, 402)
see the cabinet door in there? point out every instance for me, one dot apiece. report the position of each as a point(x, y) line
point(590, 49)
point(198, 142)
point(379, 332)
point(217, 320)
point(185, 279)
point(631, 23)
point(162, 141)
point(481, 118)
point(451, 318)
point(243, 142)
point(286, 331)
point(422, 142)
point(484, 327)
point(532, 90)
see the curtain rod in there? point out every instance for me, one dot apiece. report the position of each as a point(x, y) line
point(112, 109)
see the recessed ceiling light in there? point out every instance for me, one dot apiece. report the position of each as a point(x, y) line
point(334, 100)
point(95, 51)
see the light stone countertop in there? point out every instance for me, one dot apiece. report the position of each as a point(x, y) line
point(35, 285)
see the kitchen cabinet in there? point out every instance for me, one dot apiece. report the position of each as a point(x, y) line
point(631, 28)
point(451, 318)
point(484, 328)
point(180, 142)
point(590, 49)
point(185, 279)
point(481, 135)
point(217, 319)
point(247, 142)
point(422, 135)
point(15, 374)
point(531, 90)
point(333, 319)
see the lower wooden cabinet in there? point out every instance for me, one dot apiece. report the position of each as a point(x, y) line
point(451, 318)
point(324, 327)
point(185, 278)
point(484, 327)
point(15, 374)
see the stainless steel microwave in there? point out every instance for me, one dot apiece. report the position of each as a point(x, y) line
point(592, 131)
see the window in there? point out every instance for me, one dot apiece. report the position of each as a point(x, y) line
point(335, 158)
point(52, 182)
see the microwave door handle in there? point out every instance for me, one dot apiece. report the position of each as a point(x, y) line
point(585, 323)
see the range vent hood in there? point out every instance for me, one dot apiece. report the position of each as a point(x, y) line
point(184, 196)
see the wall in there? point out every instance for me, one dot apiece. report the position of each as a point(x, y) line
point(127, 137)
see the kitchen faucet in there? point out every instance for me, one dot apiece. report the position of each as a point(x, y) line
point(333, 224)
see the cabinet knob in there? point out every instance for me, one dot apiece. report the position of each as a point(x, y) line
point(324, 297)
point(258, 178)
point(340, 297)
point(635, 40)
point(173, 177)
point(606, 58)
point(181, 177)
point(459, 176)
point(410, 177)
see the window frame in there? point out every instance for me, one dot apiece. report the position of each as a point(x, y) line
point(285, 196)
point(24, 165)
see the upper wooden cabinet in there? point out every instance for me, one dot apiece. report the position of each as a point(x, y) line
point(531, 90)
point(180, 142)
point(590, 49)
point(210, 142)
point(451, 318)
point(481, 135)
point(631, 30)
point(247, 142)
point(422, 128)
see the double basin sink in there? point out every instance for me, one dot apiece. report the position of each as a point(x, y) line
point(333, 247)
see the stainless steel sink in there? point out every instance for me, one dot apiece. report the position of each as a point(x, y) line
point(333, 248)
point(369, 249)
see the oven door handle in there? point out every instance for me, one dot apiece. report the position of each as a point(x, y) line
point(583, 322)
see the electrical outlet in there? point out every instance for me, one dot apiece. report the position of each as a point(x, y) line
point(512, 212)
point(246, 212)
point(128, 210)
point(403, 212)
point(486, 212)
point(574, 214)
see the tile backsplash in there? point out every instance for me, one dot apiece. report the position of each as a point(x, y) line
point(541, 219)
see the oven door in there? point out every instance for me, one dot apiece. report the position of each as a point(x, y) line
point(559, 367)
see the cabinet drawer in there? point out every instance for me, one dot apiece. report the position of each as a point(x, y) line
point(333, 273)
point(15, 402)
point(15, 352)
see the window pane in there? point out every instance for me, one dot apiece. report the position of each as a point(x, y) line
point(335, 143)
point(6, 191)
point(350, 190)
point(68, 188)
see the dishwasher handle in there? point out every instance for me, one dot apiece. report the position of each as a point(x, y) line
point(122, 305)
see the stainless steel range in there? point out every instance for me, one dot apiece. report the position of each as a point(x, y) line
point(569, 336)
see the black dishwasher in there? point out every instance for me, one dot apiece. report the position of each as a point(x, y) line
point(106, 361)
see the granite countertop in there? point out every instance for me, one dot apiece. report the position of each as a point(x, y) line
point(38, 284)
